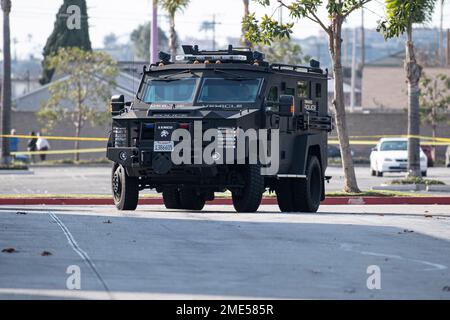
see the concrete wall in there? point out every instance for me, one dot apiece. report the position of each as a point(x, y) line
point(25, 122)
point(359, 124)
point(387, 123)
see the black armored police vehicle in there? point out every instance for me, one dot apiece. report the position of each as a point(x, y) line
point(222, 121)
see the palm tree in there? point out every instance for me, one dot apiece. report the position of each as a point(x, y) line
point(6, 92)
point(400, 17)
point(172, 7)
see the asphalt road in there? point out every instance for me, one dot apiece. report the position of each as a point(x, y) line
point(159, 254)
point(96, 180)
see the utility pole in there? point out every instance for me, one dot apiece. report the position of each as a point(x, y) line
point(214, 32)
point(154, 33)
point(441, 36)
point(353, 80)
point(6, 92)
point(363, 41)
point(448, 47)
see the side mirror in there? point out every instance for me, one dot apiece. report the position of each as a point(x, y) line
point(286, 108)
point(117, 104)
point(374, 149)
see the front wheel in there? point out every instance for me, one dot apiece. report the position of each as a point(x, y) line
point(125, 189)
point(308, 192)
point(249, 198)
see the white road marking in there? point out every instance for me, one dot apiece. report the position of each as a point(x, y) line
point(72, 242)
point(434, 266)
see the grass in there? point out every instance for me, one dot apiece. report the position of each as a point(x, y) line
point(373, 193)
point(417, 180)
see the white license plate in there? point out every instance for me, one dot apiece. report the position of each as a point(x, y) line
point(164, 146)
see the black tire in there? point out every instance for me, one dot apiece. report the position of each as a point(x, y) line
point(373, 173)
point(379, 173)
point(249, 199)
point(171, 198)
point(424, 173)
point(191, 200)
point(125, 189)
point(284, 195)
point(307, 193)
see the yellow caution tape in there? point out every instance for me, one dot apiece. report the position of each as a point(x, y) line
point(404, 136)
point(32, 153)
point(55, 138)
point(374, 142)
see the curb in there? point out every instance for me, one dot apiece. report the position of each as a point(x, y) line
point(266, 201)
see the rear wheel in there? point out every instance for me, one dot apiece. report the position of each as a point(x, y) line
point(171, 198)
point(373, 173)
point(379, 173)
point(249, 198)
point(284, 195)
point(424, 173)
point(191, 200)
point(125, 189)
point(308, 192)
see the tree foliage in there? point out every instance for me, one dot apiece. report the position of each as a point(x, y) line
point(402, 13)
point(434, 98)
point(86, 81)
point(284, 51)
point(140, 38)
point(63, 37)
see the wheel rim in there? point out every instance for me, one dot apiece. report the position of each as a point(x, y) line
point(117, 184)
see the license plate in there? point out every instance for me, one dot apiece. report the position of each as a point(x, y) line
point(164, 146)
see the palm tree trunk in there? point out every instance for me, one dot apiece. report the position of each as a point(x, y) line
point(244, 41)
point(6, 92)
point(350, 183)
point(173, 38)
point(413, 74)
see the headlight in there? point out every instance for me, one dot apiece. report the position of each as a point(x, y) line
point(120, 137)
point(388, 160)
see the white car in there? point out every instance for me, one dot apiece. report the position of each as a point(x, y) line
point(391, 155)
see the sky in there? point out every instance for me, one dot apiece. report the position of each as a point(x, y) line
point(32, 21)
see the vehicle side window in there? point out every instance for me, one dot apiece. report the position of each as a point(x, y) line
point(302, 89)
point(290, 91)
point(273, 94)
point(318, 90)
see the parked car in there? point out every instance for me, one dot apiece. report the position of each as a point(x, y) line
point(391, 155)
point(428, 150)
point(447, 157)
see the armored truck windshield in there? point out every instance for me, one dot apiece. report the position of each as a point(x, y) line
point(229, 90)
point(170, 91)
point(211, 90)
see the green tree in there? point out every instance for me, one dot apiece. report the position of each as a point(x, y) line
point(284, 51)
point(64, 36)
point(172, 7)
point(434, 101)
point(400, 17)
point(87, 80)
point(140, 38)
point(6, 92)
point(268, 29)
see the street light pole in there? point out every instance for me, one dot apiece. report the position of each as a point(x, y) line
point(154, 34)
